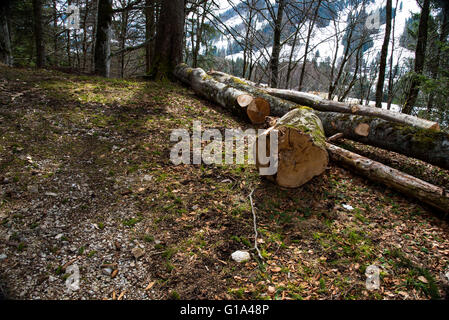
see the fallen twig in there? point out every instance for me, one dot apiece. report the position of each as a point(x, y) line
point(255, 224)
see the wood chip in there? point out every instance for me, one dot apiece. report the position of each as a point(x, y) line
point(121, 295)
point(150, 285)
point(114, 273)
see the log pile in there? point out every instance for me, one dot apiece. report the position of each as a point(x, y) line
point(303, 152)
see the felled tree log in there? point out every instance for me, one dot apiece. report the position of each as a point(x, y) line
point(427, 145)
point(431, 146)
point(409, 185)
point(301, 146)
point(320, 104)
point(278, 107)
point(302, 151)
point(237, 101)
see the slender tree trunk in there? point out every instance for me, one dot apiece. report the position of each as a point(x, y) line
point(383, 58)
point(5, 38)
point(123, 33)
point(309, 34)
point(38, 35)
point(103, 37)
point(150, 28)
point(169, 39)
point(443, 40)
point(420, 57)
point(391, 73)
point(274, 62)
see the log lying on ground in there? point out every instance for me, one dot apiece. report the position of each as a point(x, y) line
point(302, 151)
point(228, 97)
point(428, 145)
point(409, 185)
point(278, 107)
point(320, 104)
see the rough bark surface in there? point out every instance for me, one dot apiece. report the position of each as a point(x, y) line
point(320, 104)
point(5, 41)
point(103, 38)
point(212, 90)
point(169, 39)
point(427, 145)
point(409, 185)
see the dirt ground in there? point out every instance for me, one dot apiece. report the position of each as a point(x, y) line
point(86, 181)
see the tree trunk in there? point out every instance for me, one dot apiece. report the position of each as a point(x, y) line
point(5, 38)
point(103, 38)
point(205, 86)
point(38, 35)
point(383, 58)
point(409, 185)
point(420, 57)
point(426, 145)
point(436, 64)
point(169, 39)
point(274, 62)
point(302, 151)
point(309, 34)
point(150, 28)
point(320, 104)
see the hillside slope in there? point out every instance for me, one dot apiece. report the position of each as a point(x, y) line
point(85, 179)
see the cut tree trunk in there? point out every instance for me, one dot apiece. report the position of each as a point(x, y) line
point(320, 104)
point(427, 145)
point(302, 151)
point(278, 107)
point(409, 185)
point(431, 146)
point(205, 86)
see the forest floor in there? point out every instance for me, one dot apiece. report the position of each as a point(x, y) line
point(86, 181)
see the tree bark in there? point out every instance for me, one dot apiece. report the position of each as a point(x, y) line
point(38, 35)
point(309, 34)
point(320, 104)
point(103, 38)
point(169, 39)
point(420, 57)
point(205, 86)
point(426, 145)
point(5, 37)
point(274, 62)
point(383, 58)
point(432, 195)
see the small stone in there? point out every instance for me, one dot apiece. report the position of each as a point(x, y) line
point(3, 256)
point(240, 256)
point(137, 252)
point(33, 189)
point(107, 271)
point(271, 290)
point(59, 236)
point(422, 279)
point(51, 194)
point(147, 177)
